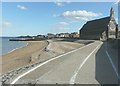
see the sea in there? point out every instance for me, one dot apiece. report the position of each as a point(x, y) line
point(7, 46)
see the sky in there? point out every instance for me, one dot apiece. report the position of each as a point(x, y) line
point(35, 18)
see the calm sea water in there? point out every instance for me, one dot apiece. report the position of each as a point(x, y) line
point(8, 46)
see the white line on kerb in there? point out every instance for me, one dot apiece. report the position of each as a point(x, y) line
point(72, 80)
point(14, 81)
point(115, 70)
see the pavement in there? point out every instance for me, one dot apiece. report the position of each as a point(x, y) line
point(87, 65)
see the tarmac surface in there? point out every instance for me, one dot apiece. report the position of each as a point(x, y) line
point(90, 64)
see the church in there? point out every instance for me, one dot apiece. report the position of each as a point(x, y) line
point(100, 29)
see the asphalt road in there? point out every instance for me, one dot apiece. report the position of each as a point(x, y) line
point(87, 65)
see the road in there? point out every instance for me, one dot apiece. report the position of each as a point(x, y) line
point(87, 65)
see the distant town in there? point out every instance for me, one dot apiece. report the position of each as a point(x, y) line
point(74, 35)
point(48, 36)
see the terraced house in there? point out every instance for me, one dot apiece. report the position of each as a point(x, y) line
point(100, 29)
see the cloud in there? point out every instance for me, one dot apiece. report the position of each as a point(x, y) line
point(55, 15)
point(61, 27)
point(117, 2)
point(79, 15)
point(21, 7)
point(68, 1)
point(58, 3)
point(62, 24)
point(60, 30)
point(6, 24)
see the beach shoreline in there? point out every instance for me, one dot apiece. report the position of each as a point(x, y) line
point(35, 51)
point(15, 49)
point(22, 56)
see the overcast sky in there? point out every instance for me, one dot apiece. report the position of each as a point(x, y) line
point(33, 18)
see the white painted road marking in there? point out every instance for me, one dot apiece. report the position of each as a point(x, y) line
point(115, 70)
point(14, 81)
point(72, 80)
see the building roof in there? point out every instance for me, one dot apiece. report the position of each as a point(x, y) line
point(96, 27)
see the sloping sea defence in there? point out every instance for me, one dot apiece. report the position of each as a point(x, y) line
point(35, 51)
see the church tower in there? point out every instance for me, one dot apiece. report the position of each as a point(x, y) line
point(112, 25)
point(112, 13)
